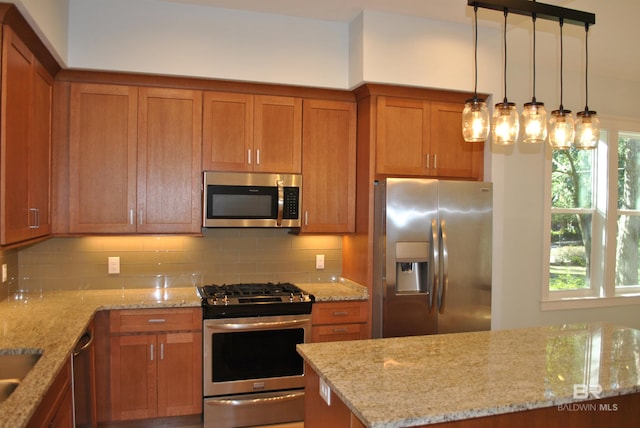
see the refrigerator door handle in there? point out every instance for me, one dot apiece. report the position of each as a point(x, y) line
point(435, 266)
point(442, 292)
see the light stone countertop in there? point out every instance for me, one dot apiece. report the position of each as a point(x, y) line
point(52, 322)
point(343, 289)
point(402, 382)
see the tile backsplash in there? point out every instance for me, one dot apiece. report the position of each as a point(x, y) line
point(221, 256)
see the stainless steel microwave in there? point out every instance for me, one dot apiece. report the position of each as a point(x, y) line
point(235, 199)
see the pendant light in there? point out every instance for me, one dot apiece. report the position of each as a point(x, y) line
point(534, 115)
point(475, 116)
point(506, 124)
point(561, 131)
point(587, 124)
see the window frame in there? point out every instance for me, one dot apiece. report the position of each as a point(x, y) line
point(602, 291)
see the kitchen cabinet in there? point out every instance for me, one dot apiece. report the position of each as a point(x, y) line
point(25, 143)
point(155, 363)
point(328, 166)
point(134, 159)
point(56, 408)
point(252, 133)
point(419, 137)
point(342, 320)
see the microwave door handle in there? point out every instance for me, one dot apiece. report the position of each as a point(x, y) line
point(280, 202)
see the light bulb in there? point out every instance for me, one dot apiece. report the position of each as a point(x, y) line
point(475, 121)
point(534, 121)
point(587, 130)
point(561, 131)
point(506, 124)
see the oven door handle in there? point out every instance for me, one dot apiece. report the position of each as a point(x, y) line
point(236, 402)
point(261, 325)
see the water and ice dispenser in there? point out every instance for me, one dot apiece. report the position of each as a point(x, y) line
point(412, 267)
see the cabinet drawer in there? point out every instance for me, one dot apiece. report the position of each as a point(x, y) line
point(339, 313)
point(149, 320)
point(337, 332)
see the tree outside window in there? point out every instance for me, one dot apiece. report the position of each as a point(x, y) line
point(572, 206)
point(628, 230)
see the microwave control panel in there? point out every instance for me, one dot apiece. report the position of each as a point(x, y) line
point(291, 198)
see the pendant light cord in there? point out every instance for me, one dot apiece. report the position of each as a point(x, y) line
point(586, 68)
point(475, 54)
point(561, 61)
point(506, 12)
point(533, 17)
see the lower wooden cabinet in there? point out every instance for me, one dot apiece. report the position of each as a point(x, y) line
point(154, 363)
point(56, 409)
point(334, 321)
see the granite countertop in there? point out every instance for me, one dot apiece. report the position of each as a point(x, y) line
point(344, 289)
point(401, 382)
point(51, 322)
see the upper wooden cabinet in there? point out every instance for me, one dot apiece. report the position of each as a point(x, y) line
point(328, 166)
point(419, 137)
point(259, 133)
point(26, 143)
point(134, 159)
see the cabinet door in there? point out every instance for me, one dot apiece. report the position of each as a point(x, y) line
point(40, 153)
point(402, 146)
point(133, 377)
point(329, 166)
point(227, 131)
point(169, 161)
point(180, 374)
point(277, 134)
point(102, 158)
point(452, 156)
point(17, 86)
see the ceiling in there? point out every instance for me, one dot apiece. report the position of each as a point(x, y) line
point(612, 48)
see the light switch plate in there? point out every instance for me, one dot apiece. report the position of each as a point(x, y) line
point(319, 261)
point(325, 392)
point(5, 275)
point(114, 265)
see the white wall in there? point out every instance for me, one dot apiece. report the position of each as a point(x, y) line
point(50, 19)
point(168, 38)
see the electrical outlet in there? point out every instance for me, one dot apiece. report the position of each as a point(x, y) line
point(325, 392)
point(114, 265)
point(5, 275)
point(319, 261)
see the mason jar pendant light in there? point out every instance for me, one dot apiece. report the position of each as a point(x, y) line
point(561, 131)
point(475, 116)
point(506, 123)
point(587, 123)
point(534, 115)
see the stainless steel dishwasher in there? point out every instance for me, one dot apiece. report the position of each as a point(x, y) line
point(84, 385)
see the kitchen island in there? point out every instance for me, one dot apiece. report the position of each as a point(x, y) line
point(570, 375)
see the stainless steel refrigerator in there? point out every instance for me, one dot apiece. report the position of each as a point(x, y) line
point(432, 257)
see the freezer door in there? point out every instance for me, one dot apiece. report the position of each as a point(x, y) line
point(465, 221)
point(411, 209)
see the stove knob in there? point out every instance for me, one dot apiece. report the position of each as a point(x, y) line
point(225, 300)
point(291, 297)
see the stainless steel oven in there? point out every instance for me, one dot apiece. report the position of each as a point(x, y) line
point(252, 373)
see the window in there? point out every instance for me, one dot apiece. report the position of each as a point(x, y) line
point(628, 215)
point(593, 256)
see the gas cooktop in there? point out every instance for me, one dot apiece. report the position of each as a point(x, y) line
point(254, 299)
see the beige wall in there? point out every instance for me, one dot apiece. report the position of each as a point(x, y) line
point(222, 255)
